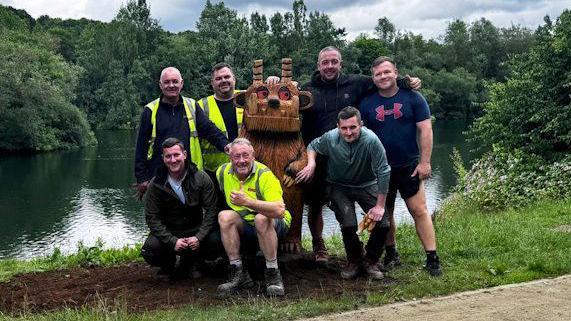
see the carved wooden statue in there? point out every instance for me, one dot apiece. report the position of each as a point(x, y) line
point(271, 122)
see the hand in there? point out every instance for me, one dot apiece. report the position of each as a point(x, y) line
point(239, 197)
point(180, 244)
point(414, 82)
point(423, 170)
point(366, 224)
point(272, 80)
point(376, 213)
point(141, 189)
point(306, 174)
point(193, 242)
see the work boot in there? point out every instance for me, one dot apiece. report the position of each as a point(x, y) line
point(239, 279)
point(372, 269)
point(320, 251)
point(391, 261)
point(350, 271)
point(433, 267)
point(274, 283)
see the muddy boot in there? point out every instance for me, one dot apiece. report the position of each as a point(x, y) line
point(373, 271)
point(274, 283)
point(239, 279)
point(320, 251)
point(350, 271)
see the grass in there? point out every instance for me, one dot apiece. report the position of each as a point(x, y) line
point(477, 250)
point(85, 256)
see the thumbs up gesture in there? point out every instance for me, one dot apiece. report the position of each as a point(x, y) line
point(239, 197)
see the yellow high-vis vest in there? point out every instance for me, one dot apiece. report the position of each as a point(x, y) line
point(261, 184)
point(194, 144)
point(212, 157)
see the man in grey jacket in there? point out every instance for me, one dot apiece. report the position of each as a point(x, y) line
point(181, 212)
point(357, 171)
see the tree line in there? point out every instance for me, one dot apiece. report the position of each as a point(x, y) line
point(61, 78)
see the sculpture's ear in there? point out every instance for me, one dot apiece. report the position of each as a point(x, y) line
point(305, 100)
point(240, 99)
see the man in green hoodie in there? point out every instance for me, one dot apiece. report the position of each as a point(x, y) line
point(357, 171)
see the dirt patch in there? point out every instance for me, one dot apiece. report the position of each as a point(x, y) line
point(135, 287)
point(563, 228)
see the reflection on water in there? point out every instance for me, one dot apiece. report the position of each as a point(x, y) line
point(59, 199)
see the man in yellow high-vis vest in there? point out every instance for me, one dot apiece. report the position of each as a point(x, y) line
point(221, 109)
point(171, 115)
point(255, 211)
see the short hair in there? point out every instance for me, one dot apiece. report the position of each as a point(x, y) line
point(172, 141)
point(329, 48)
point(164, 71)
point(382, 59)
point(348, 112)
point(219, 66)
point(241, 141)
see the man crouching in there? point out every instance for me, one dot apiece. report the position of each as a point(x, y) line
point(255, 209)
point(180, 209)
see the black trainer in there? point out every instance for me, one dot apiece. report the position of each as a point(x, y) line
point(274, 283)
point(433, 267)
point(391, 261)
point(239, 279)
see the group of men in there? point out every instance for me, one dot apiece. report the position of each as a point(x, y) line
point(195, 172)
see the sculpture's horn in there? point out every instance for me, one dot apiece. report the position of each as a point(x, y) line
point(258, 71)
point(286, 70)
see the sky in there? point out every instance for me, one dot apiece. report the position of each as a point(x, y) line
point(427, 17)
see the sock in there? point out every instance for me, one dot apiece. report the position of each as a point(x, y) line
point(391, 250)
point(272, 264)
point(431, 256)
point(237, 262)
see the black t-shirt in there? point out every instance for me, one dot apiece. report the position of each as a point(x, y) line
point(228, 111)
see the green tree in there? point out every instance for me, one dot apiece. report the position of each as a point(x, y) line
point(36, 90)
point(531, 111)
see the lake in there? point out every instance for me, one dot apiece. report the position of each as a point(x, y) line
point(61, 198)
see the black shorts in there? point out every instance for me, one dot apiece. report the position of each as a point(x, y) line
point(314, 191)
point(402, 181)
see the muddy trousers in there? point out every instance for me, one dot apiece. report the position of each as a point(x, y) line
point(342, 203)
point(373, 249)
point(159, 254)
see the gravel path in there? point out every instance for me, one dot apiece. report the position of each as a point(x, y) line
point(543, 300)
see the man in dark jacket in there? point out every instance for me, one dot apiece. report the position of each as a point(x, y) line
point(171, 115)
point(181, 212)
point(332, 91)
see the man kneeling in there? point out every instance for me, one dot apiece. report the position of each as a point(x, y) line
point(256, 209)
point(180, 209)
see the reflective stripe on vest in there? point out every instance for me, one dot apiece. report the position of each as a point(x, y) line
point(226, 185)
point(212, 157)
point(194, 143)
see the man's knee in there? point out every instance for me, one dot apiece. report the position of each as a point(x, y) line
point(262, 223)
point(153, 252)
point(227, 218)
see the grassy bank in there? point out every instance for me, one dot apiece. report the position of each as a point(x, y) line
point(477, 249)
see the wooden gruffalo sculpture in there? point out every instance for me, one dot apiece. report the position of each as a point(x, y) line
point(271, 122)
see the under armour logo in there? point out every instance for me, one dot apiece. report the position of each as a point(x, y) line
point(381, 112)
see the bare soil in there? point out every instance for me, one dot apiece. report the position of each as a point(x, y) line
point(136, 287)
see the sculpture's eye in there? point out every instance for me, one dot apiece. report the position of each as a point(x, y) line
point(284, 94)
point(262, 92)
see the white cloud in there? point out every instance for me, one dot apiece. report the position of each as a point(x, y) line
point(428, 18)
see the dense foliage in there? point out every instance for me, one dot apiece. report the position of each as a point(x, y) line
point(36, 91)
point(526, 128)
point(117, 64)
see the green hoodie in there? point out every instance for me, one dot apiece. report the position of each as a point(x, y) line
point(360, 163)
